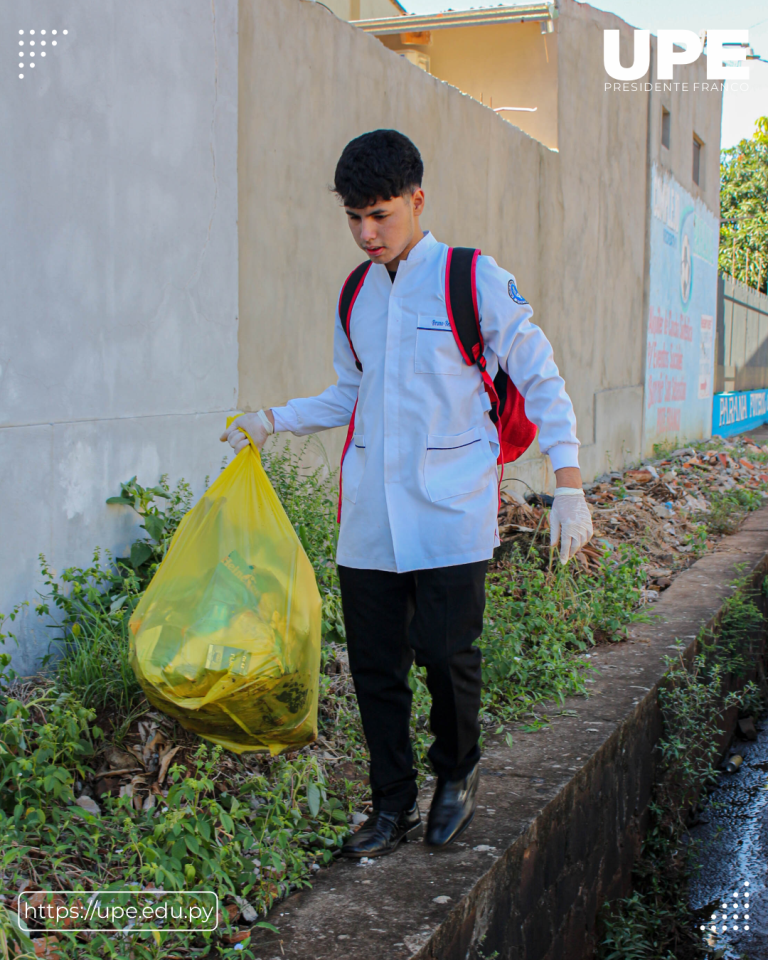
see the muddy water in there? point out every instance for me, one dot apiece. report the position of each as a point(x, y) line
point(730, 892)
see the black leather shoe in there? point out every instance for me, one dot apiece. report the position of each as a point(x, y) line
point(453, 807)
point(382, 832)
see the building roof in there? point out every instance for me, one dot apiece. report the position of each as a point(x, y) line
point(518, 13)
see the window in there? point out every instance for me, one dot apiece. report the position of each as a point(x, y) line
point(697, 169)
point(666, 123)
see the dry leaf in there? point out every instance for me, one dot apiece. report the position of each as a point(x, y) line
point(165, 762)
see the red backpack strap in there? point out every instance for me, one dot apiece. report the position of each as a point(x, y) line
point(350, 434)
point(352, 287)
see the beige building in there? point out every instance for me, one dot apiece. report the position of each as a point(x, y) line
point(505, 57)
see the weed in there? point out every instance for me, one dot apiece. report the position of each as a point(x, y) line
point(697, 540)
point(93, 604)
point(256, 838)
point(728, 510)
point(160, 524)
point(664, 448)
point(253, 829)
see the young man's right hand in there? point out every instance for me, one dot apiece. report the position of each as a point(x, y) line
point(258, 426)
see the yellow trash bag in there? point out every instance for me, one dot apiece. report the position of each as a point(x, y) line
point(226, 638)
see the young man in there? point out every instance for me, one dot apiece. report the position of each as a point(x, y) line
point(419, 484)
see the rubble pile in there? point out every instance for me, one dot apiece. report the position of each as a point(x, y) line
point(671, 510)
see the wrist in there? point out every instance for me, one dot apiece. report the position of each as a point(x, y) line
point(267, 420)
point(568, 478)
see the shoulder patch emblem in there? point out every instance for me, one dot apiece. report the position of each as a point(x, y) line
point(514, 293)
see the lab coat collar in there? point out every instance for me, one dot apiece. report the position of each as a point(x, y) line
point(422, 248)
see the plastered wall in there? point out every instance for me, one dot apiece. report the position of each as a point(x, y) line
point(570, 224)
point(172, 249)
point(118, 266)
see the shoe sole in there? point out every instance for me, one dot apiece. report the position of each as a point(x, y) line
point(462, 828)
point(413, 834)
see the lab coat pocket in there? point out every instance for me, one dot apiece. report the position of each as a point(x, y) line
point(436, 349)
point(353, 467)
point(457, 465)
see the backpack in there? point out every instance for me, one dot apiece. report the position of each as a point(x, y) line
point(516, 432)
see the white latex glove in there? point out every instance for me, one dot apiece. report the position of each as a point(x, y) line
point(256, 424)
point(570, 522)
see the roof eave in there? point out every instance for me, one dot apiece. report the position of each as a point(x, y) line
point(521, 13)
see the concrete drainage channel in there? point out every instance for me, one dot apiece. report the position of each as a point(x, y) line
point(560, 816)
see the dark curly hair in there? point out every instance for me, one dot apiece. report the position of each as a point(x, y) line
point(378, 165)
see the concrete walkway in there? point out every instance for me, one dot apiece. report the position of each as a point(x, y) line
point(560, 817)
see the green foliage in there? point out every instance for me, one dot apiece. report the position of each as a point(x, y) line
point(638, 930)
point(728, 510)
point(160, 523)
point(537, 617)
point(13, 941)
point(663, 448)
point(259, 835)
point(744, 209)
point(258, 840)
point(733, 647)
point(697, 540)
point(44, 743)
point(91, 606)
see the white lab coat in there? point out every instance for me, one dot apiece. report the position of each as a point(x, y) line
point(419, 480)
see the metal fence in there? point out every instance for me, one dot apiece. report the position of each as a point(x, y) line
point(741, 356)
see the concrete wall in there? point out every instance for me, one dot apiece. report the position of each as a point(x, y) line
point(571, 225)
point(118, 266)
point(504, 65)
point(140, 173)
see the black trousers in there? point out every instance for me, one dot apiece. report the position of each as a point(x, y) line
point(435, 615)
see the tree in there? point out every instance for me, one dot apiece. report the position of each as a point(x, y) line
point(744, 209)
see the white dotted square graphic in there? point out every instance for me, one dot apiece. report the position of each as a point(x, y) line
point(31, 43)
point(737, 921)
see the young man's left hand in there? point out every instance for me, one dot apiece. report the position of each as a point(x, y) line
point(570, 521)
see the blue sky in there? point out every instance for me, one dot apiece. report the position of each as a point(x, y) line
point(741, 109)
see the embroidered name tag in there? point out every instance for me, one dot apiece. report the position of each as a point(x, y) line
point(434, 323)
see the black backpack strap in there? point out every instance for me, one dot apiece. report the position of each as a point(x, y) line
point(352, 287)
point(464, 316)
point(461, 302)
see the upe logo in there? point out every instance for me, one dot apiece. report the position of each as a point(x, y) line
point(668, 56)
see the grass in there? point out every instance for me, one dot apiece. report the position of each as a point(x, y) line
point(728, 510)
point(246, 826)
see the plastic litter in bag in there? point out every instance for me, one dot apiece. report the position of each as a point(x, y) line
point(226, 638)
